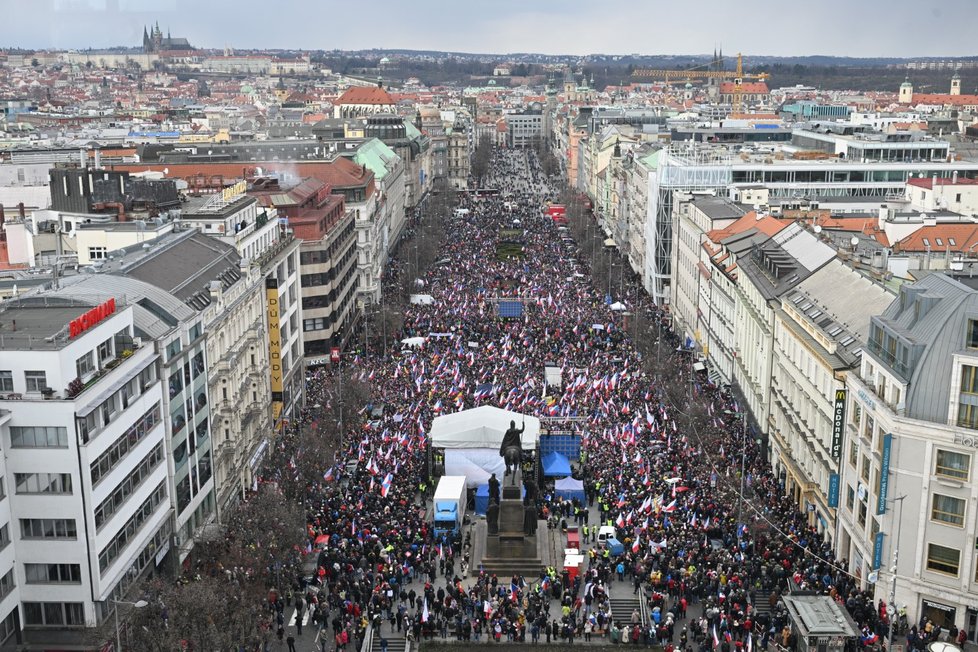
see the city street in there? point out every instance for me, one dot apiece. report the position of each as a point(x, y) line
point(662, 456)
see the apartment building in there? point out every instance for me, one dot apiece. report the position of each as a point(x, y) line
point(820, 330)
point(87, 502)
point(909, 453)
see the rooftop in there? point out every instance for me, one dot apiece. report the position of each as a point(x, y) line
point(39, 323)
point(819, 615)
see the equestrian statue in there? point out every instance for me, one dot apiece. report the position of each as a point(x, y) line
point(511, 449)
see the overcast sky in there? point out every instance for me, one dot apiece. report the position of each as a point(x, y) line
point(897, 28)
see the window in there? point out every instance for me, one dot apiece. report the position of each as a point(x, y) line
point(850, 497)
point(131, 528)
point(105, 350)
point(38, 437)
point(6, 584)
point(951, 464)
point(127, 487)
point(969, 379)
point(52, 573)
point(48, 528)
point(6, 381)
point(972, 334)
point(941, 559)
point(862, 513)
point(36, 381)
point(84, 365)
point(43, 483)
point(53, 614)
point(864, 470)
point(97, 253)
point(947, 509)
point(8, 625)
point(128, 440)
point(951, 242)
point(4, 536)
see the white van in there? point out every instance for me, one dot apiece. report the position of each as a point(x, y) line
point(606, 532)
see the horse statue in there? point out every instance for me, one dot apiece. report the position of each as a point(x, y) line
point(511, 449)
point(513, 455)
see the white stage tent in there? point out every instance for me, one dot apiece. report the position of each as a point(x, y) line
point(471, 440)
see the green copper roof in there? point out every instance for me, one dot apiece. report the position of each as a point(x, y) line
point(652, 160)
point(412, 131)
point(377, 156)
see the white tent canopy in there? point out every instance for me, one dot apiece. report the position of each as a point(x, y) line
point(422, 299)
point(471, 440)
point(617, 306)
point(412, 341)
point(481, 427)
point(569, 484)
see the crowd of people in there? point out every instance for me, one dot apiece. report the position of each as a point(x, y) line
point(670, 485)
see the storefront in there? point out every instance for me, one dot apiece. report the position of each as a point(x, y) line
point(937, 613)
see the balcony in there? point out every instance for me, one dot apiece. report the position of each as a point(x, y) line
point(889, 358)
point(79, 385)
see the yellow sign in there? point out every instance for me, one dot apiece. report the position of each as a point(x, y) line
point(234, 191)
point(274, 345)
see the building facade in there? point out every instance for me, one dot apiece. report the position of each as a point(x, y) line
point(909, 453)
point(85, 446)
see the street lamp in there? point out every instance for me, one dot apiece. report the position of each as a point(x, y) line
point(891, 609)
point(138, 604)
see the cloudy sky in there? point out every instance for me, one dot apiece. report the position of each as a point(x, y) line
point(772, 27)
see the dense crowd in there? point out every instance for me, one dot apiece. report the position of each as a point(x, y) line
point(671, 489)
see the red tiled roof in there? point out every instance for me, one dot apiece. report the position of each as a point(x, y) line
point(752, 88)
point(766, 225)
point(928, 182)
point(340, 173)
point(365, 95)
point(944, 98)
point(964, 235)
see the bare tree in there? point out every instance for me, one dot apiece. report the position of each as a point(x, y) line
point(481, 158)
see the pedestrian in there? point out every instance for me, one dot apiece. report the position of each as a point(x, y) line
point(291, 642)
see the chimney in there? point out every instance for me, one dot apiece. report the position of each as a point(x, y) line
point(20, 209)
point(954, 178)
point(98, 158)
point(82, 158)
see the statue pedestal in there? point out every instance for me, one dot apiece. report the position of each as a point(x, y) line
point(510, 550)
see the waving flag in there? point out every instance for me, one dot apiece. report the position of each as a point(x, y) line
point(635, 546)
point(385, 486)
point(620, 522)
point(424, 612)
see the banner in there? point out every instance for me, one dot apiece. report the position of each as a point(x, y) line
point(834, 490)
point(878, 551)
point(838, 423)
point(884, 473)
point(274, 344)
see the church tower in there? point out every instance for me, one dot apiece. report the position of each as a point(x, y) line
point(956, 84)
point(906, 92)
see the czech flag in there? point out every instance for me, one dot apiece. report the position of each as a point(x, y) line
point(385, 486)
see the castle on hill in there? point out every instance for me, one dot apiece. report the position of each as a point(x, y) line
point(155, 42)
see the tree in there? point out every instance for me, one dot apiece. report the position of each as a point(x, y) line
point(481, 158)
